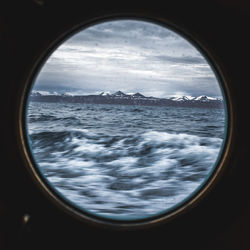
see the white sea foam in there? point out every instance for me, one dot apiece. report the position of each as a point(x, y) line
point(115, 167)
point(155, 175)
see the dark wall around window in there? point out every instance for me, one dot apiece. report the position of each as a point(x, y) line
point(220, 221)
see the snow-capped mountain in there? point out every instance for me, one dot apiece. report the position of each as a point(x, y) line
point(105, 93)
point(202, 98)
point(119, 94)
point(138, 95)
point(205, 98)
point(42, 93)
point(121, 98)
point(182, 98)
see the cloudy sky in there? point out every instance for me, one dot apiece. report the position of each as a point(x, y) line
point(131, 56)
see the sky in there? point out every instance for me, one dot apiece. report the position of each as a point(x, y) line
point(131, 56)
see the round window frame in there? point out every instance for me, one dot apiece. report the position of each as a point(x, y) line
point(168, 214)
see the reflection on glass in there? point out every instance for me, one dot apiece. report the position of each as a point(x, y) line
point(126, 119)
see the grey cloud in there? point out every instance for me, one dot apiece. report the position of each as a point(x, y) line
point(121, 55)
point(182, 59)
point(122, 31)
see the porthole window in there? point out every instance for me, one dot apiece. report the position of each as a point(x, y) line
point(125, 121)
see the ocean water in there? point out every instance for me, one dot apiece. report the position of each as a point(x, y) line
point(122, 161)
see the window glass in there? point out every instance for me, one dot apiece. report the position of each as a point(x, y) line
point(126, 120)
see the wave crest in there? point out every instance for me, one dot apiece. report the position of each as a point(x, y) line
point(108, 174)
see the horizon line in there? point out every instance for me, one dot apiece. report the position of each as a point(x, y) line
point(68, 93)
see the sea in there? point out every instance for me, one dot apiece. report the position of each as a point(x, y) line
point(125, 162)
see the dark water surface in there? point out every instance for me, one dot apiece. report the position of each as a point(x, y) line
point(124, 161)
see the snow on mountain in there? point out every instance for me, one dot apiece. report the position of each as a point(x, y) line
point(182, 98)
point(133, 95)
point(105, 93)
point(119, 94)
point(42, 93)
point(138, 95)
point(204, 98)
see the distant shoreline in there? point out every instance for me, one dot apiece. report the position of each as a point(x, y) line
point(138, 99)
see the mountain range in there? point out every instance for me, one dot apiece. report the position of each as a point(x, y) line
point(130, 99)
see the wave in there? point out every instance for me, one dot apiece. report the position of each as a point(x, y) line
point(50, 118)
point(124, 174)
point(41, 118)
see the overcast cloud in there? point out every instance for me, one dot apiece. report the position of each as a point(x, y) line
point(131, 56)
